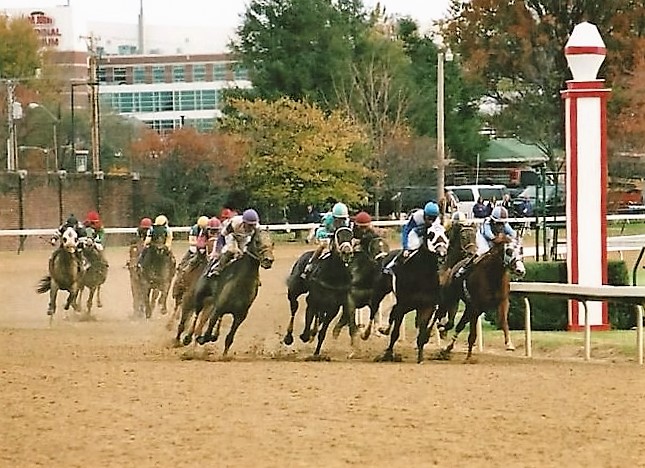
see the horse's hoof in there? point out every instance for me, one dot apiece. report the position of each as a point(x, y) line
point(288, 339)
point(177, 344)
point(187, 340)
point(318, 358)
point(163, 311)
point(202, 340)
point(443, 355)
point(384, 331)
point(100, 306)
point(388, 356)
point(510, 347)
point(50, 312)
point(304, 338)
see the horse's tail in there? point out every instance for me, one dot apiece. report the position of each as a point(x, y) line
point(44, 284)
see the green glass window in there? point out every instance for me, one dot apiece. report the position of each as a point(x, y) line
point(220, 71)
point(178, 73)
point(209, 99)
point(101, 75)
point(199, 72)
point(119, 75)
point(139, 75)
point(126, 102)
point(147, 102)
point(158, 74)
point(165, 101)
point(187, 100)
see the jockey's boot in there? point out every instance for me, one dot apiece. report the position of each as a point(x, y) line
point(142, 255)
point(307, 271)
point(224, 260)
point(465, 268)
point(389, 268)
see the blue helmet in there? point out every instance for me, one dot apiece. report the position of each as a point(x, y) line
point(499, 214)
point(431, 209)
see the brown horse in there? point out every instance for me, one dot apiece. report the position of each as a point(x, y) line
point(64, 273)
point(486, 287)
point(157, 271)
point(93, 277)
point(232, 292)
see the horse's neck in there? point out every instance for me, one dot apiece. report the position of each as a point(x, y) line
point(492, 262)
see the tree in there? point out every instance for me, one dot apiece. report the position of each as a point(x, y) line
point(515, 51)
point(297, 154)
point(19, 49)
point(298, 48)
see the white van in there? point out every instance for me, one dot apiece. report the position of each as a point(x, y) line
point(468, 195)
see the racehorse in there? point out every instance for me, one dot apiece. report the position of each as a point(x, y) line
point(486, 287)
point(64, 272)
point(138, 306)
point(416, 287)
point(328, 287)
point(365, 268)
point(94, 276)
point(157, 271)
point(232, 292)
point(184, 286)
point(462, 243)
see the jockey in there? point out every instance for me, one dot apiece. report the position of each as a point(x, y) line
point(237, 234)
point(213, 231)
point(414, 231)
point(496, 224)
point(339, 217)
point(197, 237)
point(363, 231)
point(144, 226)
point(70, 222)
point(94, 229)
point(159, 230)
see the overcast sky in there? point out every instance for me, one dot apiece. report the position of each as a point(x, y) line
point(208, 12)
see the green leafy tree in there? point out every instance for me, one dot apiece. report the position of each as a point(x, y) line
point(19, 48)
point(298, 154)
point(298, 48)
point(514, 50)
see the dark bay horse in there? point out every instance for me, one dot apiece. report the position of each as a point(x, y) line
point(486, 287)
point(232, 292)
point(93, 277)
point(416, 287)
point(157, 271)
point(138, 305)
point(365, 269)
point(462, 243)
point(64, 272)
point(328, 288)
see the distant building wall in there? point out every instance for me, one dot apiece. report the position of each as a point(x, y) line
point(45, 198)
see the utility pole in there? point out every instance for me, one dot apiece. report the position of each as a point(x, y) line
point(94, 105)
point(12, 148)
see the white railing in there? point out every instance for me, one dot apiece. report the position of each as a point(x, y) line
point(630, 294)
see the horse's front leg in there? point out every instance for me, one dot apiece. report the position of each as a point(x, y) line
point(99, 303)
point(502, 315)
point(381, 289)
point(326, 321)
point(214, 317)
point(423, 321)
point(53, 293)
point(90, 299)
point(305, 336)
point(293, 308)
point(396, 319)
point(472, 334)
point(163, 298)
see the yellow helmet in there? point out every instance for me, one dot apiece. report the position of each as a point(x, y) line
point(202, 221)
point(161, 220)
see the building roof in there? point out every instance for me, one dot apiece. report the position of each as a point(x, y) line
point(511, 150)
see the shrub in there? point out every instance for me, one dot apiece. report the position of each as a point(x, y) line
point(548, 313)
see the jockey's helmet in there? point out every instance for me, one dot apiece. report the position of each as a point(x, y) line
point(161, 220)
point(458, 217)
point(71, 220)
point(431, 210)
point(226, 213)
point(340, 211)
point(251, 217)
point(202, 221)
point(145, 223)
point(214, 223)
point(499, 214)
point(92, 217)
point(363, 219)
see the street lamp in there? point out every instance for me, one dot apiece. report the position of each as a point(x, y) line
point(55, 121)
point(441, 143)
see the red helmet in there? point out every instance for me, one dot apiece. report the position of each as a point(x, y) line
point(226, 213)
point(214, 223)
point(92, 217)
point(363, 219)
point(145, 223)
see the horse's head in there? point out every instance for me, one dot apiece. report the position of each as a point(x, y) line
point(436, 240)
point(69, 240)
point(513, 253)
point(261, 248)
point(343, 243)
point(377, 249)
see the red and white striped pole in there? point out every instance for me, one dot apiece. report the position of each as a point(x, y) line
point(586, 176)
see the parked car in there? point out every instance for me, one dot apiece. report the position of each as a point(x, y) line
point(553, 204)
point(468, 195)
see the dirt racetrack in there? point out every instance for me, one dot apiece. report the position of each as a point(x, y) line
point(113, 393)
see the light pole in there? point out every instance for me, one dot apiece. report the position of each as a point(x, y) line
point(441, 143)
point(55, 120)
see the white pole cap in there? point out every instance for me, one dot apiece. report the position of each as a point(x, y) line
point(585, 52)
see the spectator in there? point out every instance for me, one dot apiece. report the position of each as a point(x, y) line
point(312, 216)
point(479, 209)
point(507, 202)
point(526, 208)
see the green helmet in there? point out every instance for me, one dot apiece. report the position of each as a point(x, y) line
point(340, 211)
